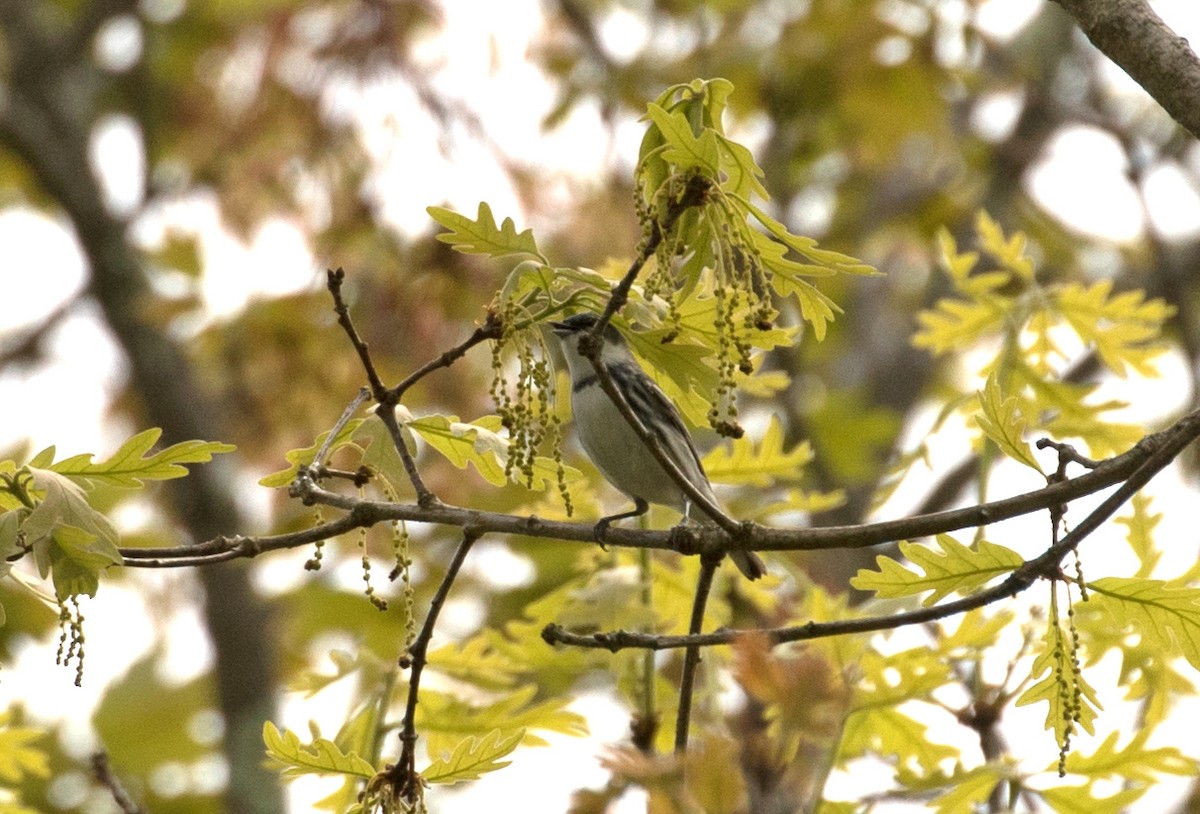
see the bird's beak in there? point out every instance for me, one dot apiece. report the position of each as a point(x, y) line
point(560, 328)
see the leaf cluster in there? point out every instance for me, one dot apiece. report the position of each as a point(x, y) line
point(1032, 333)
point(55, 510)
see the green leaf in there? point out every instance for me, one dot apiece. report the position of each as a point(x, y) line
point(681, 368)
point(952, 567)
point(1059, 685)
point(133, 464)
point(70, 539)
point(741, 170)
point(1010, 252)
point(305, 456)
point(975, 633)
point(683, 147)
point(482, 235)
point(1165, 615)
point(18, 759)
point(476, 443)
point(1140, 535)
point(379, 449)
point(889, 732)
point(739, 461)
point(474, 757)
point(129, 719)
point(815, 308)
point(1122, 327)
point(853, 435)
point(1002, 421)
point(443, 718)
point(955, 324)
point(295, 759)
point(826, 261)
point(362, 663)
point(1079, 800)
point(968, 790)
point(1132, 762)
point(477, 662)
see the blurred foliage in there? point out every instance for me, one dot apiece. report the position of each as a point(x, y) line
point(873, 124)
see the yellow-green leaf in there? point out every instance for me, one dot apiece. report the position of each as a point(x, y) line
point(968, 790)
point(305, 456)
point(18, 759)
point(949, 568)
point(294, 758)
point(1079, 800)
point(482, 235)
point(890, 733)
point(742, 461)
point(1166, 615)
point(1124, 327)
point(474, 757)
point(71, 540)
point(1002, 421)
point(1059, 686)
point(443, 718)
point(1009, 251)
point(683, 147)
point(1134, 761)
point(134, 464)
point(1140, 526)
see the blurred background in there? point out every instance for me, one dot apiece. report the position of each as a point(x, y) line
point(175, 175)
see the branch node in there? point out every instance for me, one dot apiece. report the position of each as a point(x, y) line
point(685, 540)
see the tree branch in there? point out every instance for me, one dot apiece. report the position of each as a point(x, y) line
point(1045, 565)
point(492, 328)
point(707, 540)
point(403, 775)
point(691, 659)
point(386, 399)
point(102, 772)
point(1130, 34)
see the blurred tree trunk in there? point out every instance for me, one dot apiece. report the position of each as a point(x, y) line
point(47, 119)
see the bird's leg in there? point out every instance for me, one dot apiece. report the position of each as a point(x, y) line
point(640, 507)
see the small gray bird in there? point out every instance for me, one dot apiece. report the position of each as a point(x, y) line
point(614, 447)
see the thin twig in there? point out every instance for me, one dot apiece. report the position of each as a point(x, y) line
point(387, 414)
point(351, 408)
point(104, 776)
point(693, 195)
point(333, 281)
point(492, 328)
point(386, 399)
point(403, 775)
point(691, 659)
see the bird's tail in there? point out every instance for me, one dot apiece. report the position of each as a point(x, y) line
point(749, 563)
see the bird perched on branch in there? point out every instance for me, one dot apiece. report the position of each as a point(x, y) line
point(614, 446)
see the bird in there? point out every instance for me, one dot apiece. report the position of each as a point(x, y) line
point(614, 446)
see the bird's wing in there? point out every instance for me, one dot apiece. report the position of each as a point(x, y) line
point(647, 398)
